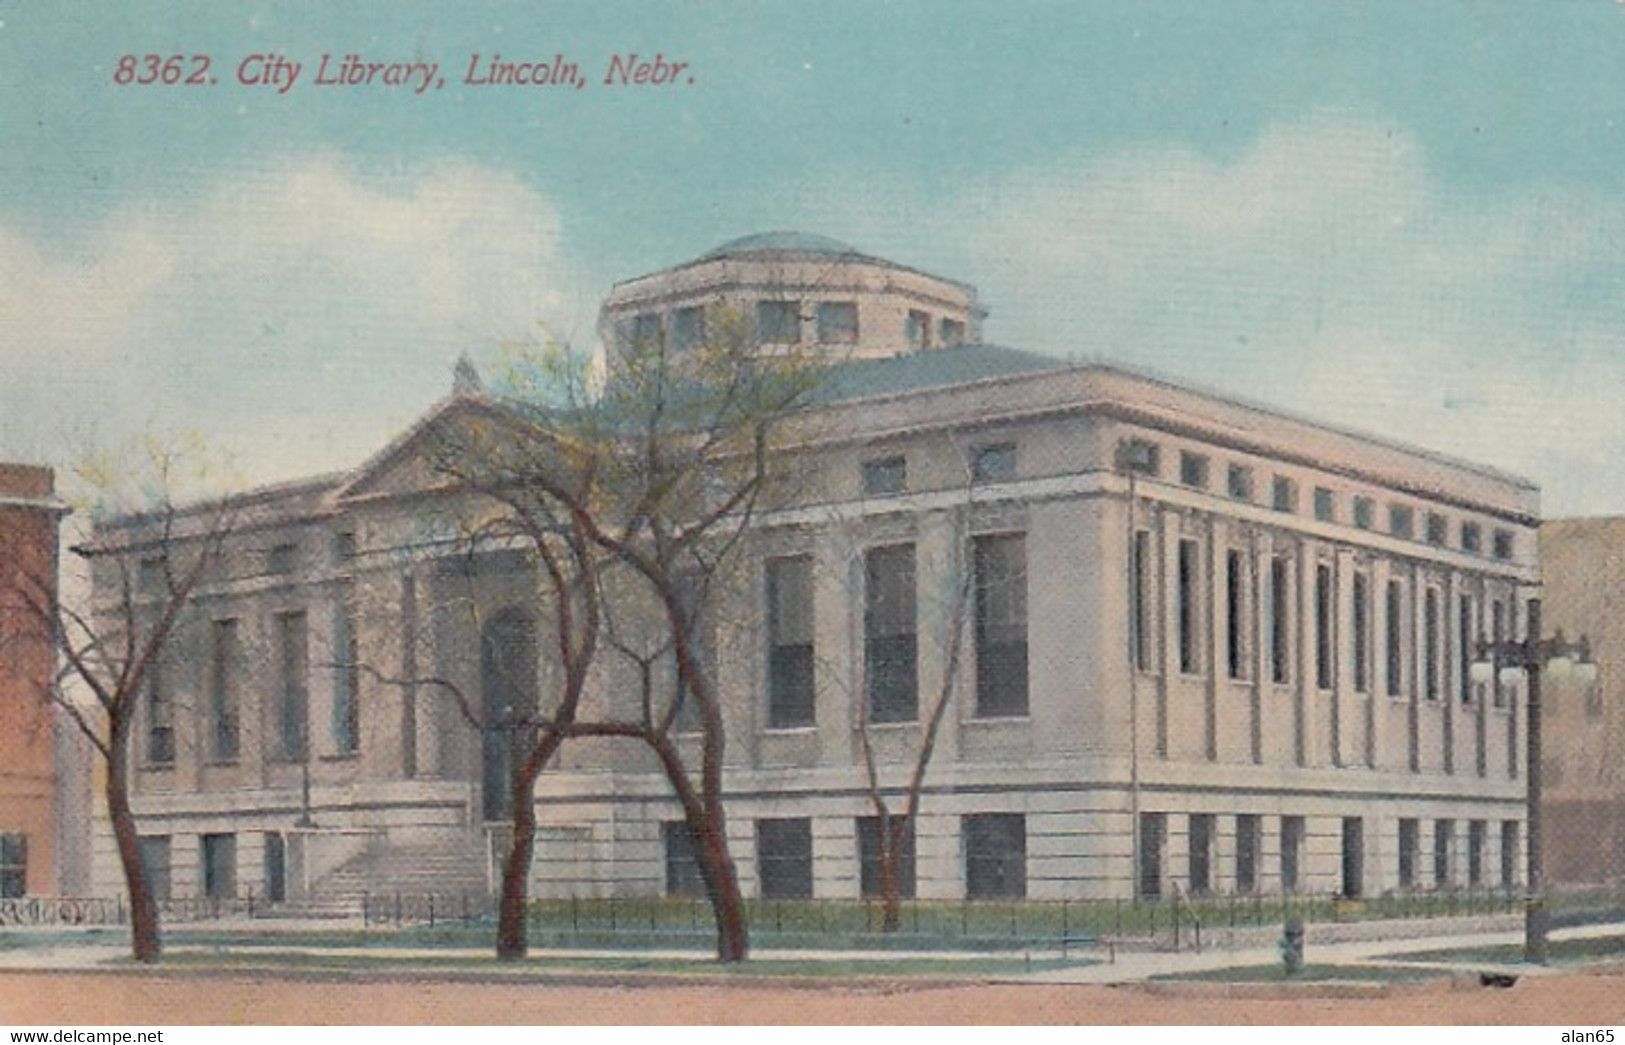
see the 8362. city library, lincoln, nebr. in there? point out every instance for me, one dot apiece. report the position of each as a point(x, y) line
point(483, 70)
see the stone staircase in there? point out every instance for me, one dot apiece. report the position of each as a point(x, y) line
point(450, 871)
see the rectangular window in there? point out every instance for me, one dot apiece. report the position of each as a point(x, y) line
point(778, 322)
point(645, 330)
point(688, 326)
point(1325, 505)
point(917, 330)
point(1360, 626)
point(1325, 627)
point(837, 323)
point(1410, 844)
point(1395, 627)
point(1432, 635)
point(790, 671)
point(995, 856)
point(1188, 608)
point(953, 333)
point(1472, 538)
point(1444, 839)
point(1401, 521)
point(1000, 563)
point(1235, 613)
point(346, 682)
point(993, 464)
point(274, 868)
point(885, 476)
point(224, 657)
point(1353, 857)
point(1201, 853)
point(220, 866)
point(1193, 470)
point(1239, 482)
point(153, 852)
point(282, 559)
point(1153, 837)
point(890, 649)
point(869, 828)
point(1140, 591)
point(1466, 640)
point(1498, 632)
point(293, 697)
point(1140, 456)
point(152, 575)
point(1284, 494)
point(1502, 545)
point(1475, 854)
point(1248, 838)
point(13, 865)
point(1291, 853)
point(784, 858)
point(160, 718)
point(1364, 513)
point(682, 869)
point(1280, 608)
point(1509, 853)
point(343, 548)
point(1437, 529)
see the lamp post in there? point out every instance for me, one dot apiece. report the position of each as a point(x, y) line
point(1531, 657)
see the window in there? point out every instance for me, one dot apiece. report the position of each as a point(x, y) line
point(1509, 853)
point(346, 683)
point(282, 559)
point(13, 865)
point(275, 868)
point(1364, 512)
point(885, 476)
point(1498, 632)
point(688, 326)
point(1472, 538)
point(160, 718)
point(1431, 636)
point(1444, 837)
point(1188, 612)
point(1465, 641)
point(953, 332)
point(1410, 844)
point(1153, 835)
point(1502, 547)
point(1140, 591)
point(1140, 456)
point(890, 651)
point(1325, 505)
point(153, 851)
point(682, 869)
point(995, 856)
point(1284, 494)
point(343, 546)
point(1248, 837)
point(784, 858)
point(1360, 626)
point(293, 697)
point(645, 330)
point(1235, 613)
point(1353, 857)
point(1475, 853)
point(778, 322)
point(837, 323)
point(1401, 521)
point(1325, 626)
point(223, 696)
point(1395, 627)
point(1000, 563)
point(995, 463)
point(869, 828)
point(220, 866)
point(1291, 853)
point(1280, 619)
point(1193, 470)
point(1201, 853)
point(1239, 482)
point(152, 576)
point(1438, 530)
point(917, 330)
point(790, 624)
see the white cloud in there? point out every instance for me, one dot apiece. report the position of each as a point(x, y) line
point(301, 314)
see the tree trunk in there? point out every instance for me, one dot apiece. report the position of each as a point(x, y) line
point(721, 885)
point(513, 942)
point(891, 872)
point(145, 942)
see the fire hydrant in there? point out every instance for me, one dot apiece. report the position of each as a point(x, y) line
point(1292, 946)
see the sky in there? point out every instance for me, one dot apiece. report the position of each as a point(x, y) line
point(1406, 218)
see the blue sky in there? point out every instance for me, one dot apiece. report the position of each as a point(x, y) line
point(1406, 217)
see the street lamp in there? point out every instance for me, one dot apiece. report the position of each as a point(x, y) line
point(1531, 657)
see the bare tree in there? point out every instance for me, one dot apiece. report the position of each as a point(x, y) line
point(146, 558)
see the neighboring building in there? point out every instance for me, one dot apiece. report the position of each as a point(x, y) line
point(1213, 647)
point(1583, 736)
point(29, 802)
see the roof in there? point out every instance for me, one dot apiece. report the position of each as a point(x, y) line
point(931, 368)
point(782, 240)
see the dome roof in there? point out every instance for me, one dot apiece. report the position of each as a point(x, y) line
point(798, 242)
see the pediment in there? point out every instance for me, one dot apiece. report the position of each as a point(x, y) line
point(416, 461)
